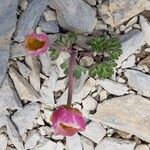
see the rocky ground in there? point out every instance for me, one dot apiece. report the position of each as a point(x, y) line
point(117, 110)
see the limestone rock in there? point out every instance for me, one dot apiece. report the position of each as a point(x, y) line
point(33, 12)
point(87, 144)
point(127, 113)
point(3, 141)
point(91, 2)
point(25, 117)
point(49, 15)
point(115, 144)
point(142, 147)
point(138, 81)
point(75, 15)
point(113, 87)
point(145, 62)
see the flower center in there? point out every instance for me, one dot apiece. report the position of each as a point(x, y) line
point(34, 44)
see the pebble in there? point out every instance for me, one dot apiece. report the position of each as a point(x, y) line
point(136, 26)
point(92, 130)
point(147, 50)
point(91, 2)
point(122, 28)
point(49, 15)
point(142, 147)
point(86, 61)
point(3, 141)
point(103, 95)
point(87, 144)
point(101, 25)
point(132, 21)
point(23, 4)
point(128, 29)
point(60, 146)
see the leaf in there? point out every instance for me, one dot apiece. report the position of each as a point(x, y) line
point(64, 65)
point(54, 53)
point(77, 72)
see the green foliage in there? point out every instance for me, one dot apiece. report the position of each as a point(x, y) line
point(78, 71)
point(54, 53)
point(111, 50)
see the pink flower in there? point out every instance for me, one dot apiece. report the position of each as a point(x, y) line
point(36, 44)
point(67, 121)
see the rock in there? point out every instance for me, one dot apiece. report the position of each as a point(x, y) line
point(49, 27)
point(130, 62)
point(128, 29)
point(74, 142)
point(138, 81)
point(80, 92)
point(8, 96)
point(92, 130)
point(61, 84)
point(115, 144)
point(23, 69)
point(33, 12)
point(113, 87)
point(132, 21)
point(124, 135)
point(117, 12)
point(103, 95)
point(75, 15)
point(142, 147)
point(147, 50)
point(130, 44)
point(17, 50)
point(87, 144)
point(86, 61)
point(8, 21)
point(24, 89)
point(34, 76)
point(101, 25)
point(32, 139)
point(91, 2)
point(133, 116)
point(14, 135)
point(46, 145)
point(89, 103)
point(23, 4)
point(47, 114)
point(145, 62)
point(60, 146)
point(25, 117)
point(50, 15)
point(3, 141)
point(145, 26)
point(47, 89)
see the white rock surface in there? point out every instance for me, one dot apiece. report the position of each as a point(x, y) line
point(129, 113)
point(145, 26)
point(49, 15)
point(138, 81)
point(74, 142)
point(91, 2)
point(25, 117)
point(142, 147)
point(87, 144)
point(115, 144)
point(113, 87)
point(32, 139)
point(94, 131)
point(130, 44)
point(60, 146)
point(3, 141)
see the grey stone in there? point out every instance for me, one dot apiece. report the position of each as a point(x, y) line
point(8, 96)
point(30, 18)
point(87, 144)
point(3, 141)
point(49, 27)
point(115, 144)
point(91, 2)
point(75, 15)
point(138, 81)
point(129, 113)
point(8, 21)
point(130, 44)
point(25, 117)
point(113, 87)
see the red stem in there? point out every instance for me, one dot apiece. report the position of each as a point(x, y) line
point(72, 64)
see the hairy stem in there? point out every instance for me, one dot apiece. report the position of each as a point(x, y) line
point(72, 64)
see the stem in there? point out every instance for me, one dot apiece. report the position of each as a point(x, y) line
point(72, 64)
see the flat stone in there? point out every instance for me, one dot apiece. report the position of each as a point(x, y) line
point(9, 98)
point(113, 87)
point(8, 21)
point(130, 44)
point(145, 26)
point(32, 139)
point(132, 21)
point(24, 89)
point(49, 27)
point(50, 15)
point(129, 113)
point(60, 146)
point(92, 130)
point(3, 141)
point(145, 62)
point(138, 81)
point(87, 144)
point(47, 89)
point(115, 144)
point(34, 76)
point(25, 117)
point(74, 142)
point(32, 12)
point(101, 25)
point(91, 2)
point(75, 15)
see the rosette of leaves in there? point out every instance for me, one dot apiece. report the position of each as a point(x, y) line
point(109, 49)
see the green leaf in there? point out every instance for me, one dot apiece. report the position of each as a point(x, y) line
point(54, 53)
point(64, 65)
point(77, 72)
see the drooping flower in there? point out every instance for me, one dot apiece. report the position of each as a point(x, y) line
point(67, 121)
point(36, 44)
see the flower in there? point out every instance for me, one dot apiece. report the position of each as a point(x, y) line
point(36, 44)
point(67, 121)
